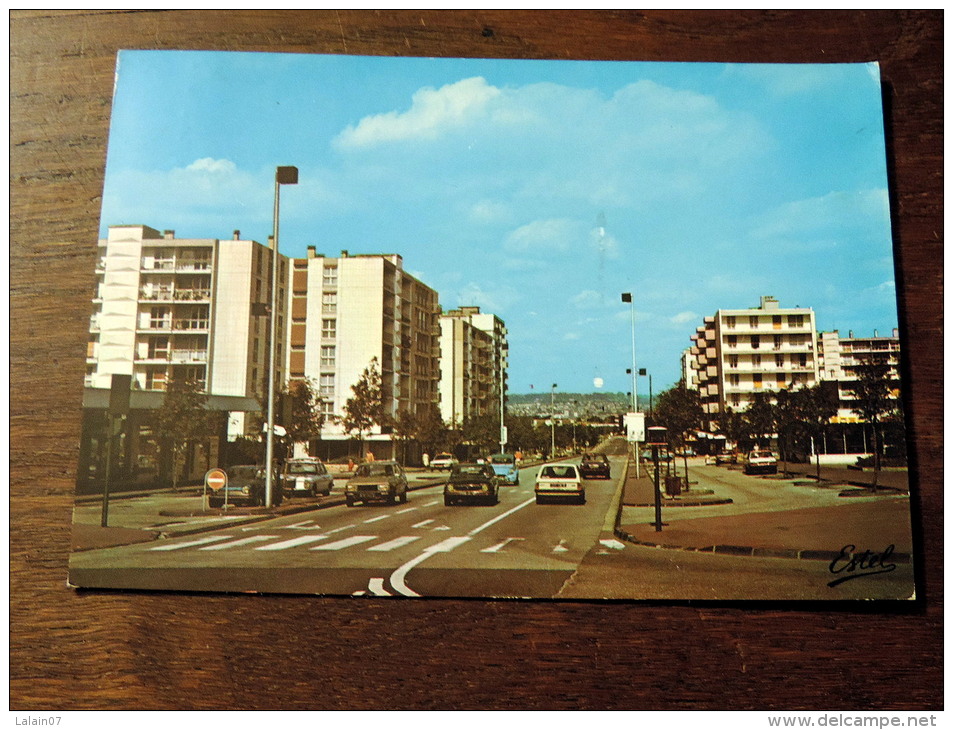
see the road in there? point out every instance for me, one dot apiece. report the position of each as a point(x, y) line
point(515, 549)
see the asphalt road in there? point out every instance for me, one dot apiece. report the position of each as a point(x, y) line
point(515, 549)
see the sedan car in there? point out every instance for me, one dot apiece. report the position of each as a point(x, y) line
point(761, 462)
point(442, 461)
point(377, 481)
point(594, 466)
point(561, 481)
point(307, 477)
point(471, 483)
point(245, 486)
point(505, 467)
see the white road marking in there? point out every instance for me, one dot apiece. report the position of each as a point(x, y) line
point(499, 546)
point(293, 542)
point(422, 524)
point(340, 529)
point(240, 541)
point(376, 587)
point(346, 542)
point(192, 543)
point(393, 544)
point(406, 509)
point(500, 517)
point(561, 547)
point(306, 525)
point(376, 519)
point(398, 576)
point(431, 504)
point(613, 544)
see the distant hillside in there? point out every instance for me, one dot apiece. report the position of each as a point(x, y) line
point(546, 397)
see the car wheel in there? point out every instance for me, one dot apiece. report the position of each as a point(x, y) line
point(582, 498)
point(349, 502)
point(447, 502)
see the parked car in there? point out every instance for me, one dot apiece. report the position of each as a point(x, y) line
point(559, 480)
point(306, 476)
point(506, 468)
point(471, 483)
point(245, 486)
point(761, 462)
point(594, 466)
point(442, 461)
point(377, 481)
point(726, 458)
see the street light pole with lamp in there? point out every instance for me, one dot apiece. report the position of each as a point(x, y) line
point(283, 176)
point(627, 298)
point(552, 421)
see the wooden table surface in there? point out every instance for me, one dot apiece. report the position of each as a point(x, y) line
point(100, 650)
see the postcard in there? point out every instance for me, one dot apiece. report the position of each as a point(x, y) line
point(500, 329)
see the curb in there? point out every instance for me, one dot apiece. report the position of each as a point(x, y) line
point(749, 551)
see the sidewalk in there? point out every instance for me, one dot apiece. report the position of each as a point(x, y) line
point(854, 518)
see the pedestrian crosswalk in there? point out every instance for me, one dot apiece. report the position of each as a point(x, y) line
point(330, 542)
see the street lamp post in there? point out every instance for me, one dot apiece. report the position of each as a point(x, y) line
point(503, 435)
point(283, 176)
point(552, 421)
point(627, 298)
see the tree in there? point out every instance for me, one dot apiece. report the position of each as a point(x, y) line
point(405, 431)
point(365, 408)
point(482, 432)
point(732, 425)
point(182, 420)
point(760, 418)
point(818, 404)
point(305, 419)
point(872, 400)
point(680, 410)
point(430, 430)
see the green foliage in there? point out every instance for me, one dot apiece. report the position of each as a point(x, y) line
point(305, 420)
point(679, 409)
point(365, 408)
point(182, 419)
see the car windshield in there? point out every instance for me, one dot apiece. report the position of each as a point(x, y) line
point(242, 472)
point(468, 469)
point(442, 456)
point(302, 468)
point(375, 470)
point(559, 471)
point(502, 459)
point(594, 457)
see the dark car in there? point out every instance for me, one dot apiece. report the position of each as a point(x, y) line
point(471, 483)
point(245, 487)
point(306, 476)
point(594, 466)
point(377, 481)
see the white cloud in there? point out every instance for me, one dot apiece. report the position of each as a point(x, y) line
point(211, 165)
point(828, 214)
point(553, 234)
point(431, 112)
point(685, 317)
point(587, 299)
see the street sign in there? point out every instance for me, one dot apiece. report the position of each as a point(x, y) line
point(216, 479)
point(634, 426)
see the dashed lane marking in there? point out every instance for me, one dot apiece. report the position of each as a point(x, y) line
point(192, 543)
point(293, 542)
point(393, 544)
point(500, 545)
point(422, 524)
point(346, 542)
point(239, 542)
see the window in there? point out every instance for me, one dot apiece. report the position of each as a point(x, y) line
point(753, 322)
point(757, 380)
point(330, 276)
point(326, 385)
point(329, 302)
point(329, 328)
point(802, 360)
point(734, 380)
point(756, 360)
point(778, 340)
point(732, 340)
point(779, 361)
point(327, 356)
point(732, 361)
point(730, 322)
point(755, 342)
point(776, 321)
point(795, 320)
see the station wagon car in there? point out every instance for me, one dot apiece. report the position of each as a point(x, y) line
point(245, 486)
point(594, 466)
point(559, 481)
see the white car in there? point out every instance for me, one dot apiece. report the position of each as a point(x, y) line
point(761, 462)
point(560, 481)
point(442, 461)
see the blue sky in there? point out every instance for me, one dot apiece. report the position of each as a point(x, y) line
point(538, 190)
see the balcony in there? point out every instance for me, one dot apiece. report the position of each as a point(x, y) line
point(191, 325)
point(176, 295)
point(189, 356)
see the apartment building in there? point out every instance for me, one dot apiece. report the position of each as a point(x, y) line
point(840, 356)
point(348, 310)
point(473, 365)
point(170, 307)
point(740, 352)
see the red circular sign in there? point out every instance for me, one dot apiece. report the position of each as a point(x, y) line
point(215, 479)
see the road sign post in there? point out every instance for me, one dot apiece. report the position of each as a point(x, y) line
point(657, 436)
point(120, 390)
point(215, 479)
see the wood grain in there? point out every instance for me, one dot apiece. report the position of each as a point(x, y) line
point(100, 650)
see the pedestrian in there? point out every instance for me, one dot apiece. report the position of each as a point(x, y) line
point(426, 460)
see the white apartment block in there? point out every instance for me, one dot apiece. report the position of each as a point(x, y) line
point(740, 352)
point(473, 364)
point(840, 356)
point(170, 307)
point(347, 311)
